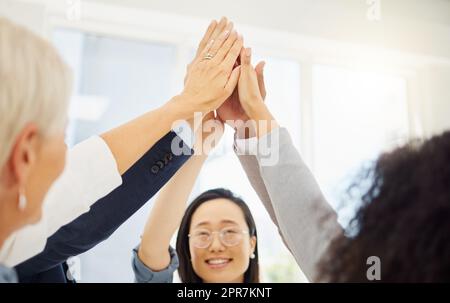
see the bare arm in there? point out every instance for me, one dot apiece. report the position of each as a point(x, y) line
point(166, 215)
point(130, 141)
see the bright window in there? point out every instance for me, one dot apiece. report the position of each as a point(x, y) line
point(357, 115)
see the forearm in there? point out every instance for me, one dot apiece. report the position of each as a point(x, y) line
point(305, 219)
point(167, 213)
point(130, 141)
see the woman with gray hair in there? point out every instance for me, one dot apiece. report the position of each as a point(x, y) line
point(34, 92)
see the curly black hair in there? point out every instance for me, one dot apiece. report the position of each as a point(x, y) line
point(404, 219)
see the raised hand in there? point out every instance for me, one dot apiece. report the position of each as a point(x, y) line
point(231, 109)
point(212, 77)
point(212, 32)
point(251, 91)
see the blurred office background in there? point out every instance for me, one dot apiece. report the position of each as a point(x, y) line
point(348, 78)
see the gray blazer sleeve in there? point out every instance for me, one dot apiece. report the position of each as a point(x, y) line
point(143, 274)
point(294, 201)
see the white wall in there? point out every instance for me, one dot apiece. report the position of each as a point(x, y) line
point(409, 25)
point(31, 15)
point(438, 86)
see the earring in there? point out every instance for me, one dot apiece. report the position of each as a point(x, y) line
point(22, 201)
point(252, 256)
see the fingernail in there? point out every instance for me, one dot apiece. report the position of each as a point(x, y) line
point(248, 51)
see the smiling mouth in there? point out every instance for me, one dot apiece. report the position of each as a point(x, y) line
point(218, 262)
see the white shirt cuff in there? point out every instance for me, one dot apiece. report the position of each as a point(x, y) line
point(260, 147)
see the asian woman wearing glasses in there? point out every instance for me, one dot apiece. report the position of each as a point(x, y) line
point(217, 240)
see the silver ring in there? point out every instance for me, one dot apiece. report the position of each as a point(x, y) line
point(208, 56)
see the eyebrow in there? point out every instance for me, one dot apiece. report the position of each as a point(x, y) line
point(203, 223)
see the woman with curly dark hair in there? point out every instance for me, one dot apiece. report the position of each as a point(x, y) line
point(404, 219)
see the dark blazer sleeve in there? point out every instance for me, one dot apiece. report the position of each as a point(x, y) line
point(57, 274)
point(140, 183)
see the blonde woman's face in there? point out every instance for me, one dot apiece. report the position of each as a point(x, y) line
point(47, 167)
point(219, 262)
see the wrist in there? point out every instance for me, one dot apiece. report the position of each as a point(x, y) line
point(180, 107)
point(195, 102)
point(264, 120)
